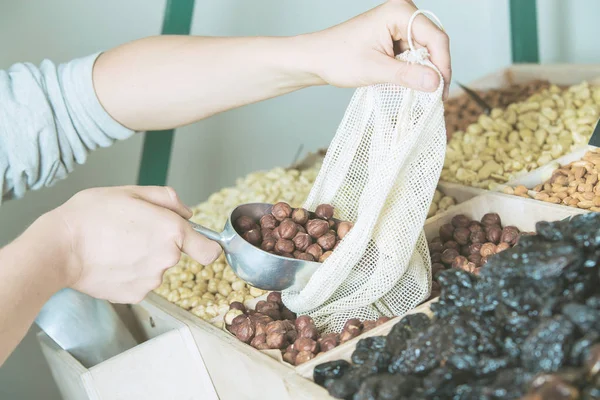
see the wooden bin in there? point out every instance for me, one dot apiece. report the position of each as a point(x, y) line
point(167, 365)
point(559, 74)
point(225, 356)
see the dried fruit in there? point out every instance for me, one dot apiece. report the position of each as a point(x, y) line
point(281, 211)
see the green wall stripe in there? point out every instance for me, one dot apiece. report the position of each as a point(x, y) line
point(523, 29)
point(156, 152)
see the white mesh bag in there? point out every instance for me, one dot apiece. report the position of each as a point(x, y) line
point(380, 172)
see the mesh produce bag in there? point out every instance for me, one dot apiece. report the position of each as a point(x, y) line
point(381, 172)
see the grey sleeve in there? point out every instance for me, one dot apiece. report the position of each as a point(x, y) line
point(50, 119)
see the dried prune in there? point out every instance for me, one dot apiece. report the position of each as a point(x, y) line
point(581, 348)
point(585, 318)
point(547, 347)
point(330, 370)
point(386, 387)
point(348, 384)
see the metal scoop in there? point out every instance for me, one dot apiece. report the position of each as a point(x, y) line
point(257, 267)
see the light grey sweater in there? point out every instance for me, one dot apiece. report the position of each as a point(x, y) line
point(50, 119)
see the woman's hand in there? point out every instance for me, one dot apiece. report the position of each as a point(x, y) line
point(361, 51)
point(120, 240)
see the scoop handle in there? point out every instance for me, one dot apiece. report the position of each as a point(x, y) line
point(209, 233)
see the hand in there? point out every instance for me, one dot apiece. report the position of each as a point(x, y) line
point(361, 51)
point(122, 239)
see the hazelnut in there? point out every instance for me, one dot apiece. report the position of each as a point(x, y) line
point(451, 244)
point(324, 256)
point(317, 228)
point(300, 216)
point(267, 234)
point(244, 224)
point(306, 257)
point(253, 237)
point(281, 211)
point(276, 340)
point(302, 241)
point(328, 344)
point(332, 225)
point(290, 357)
point(448, 256)
point(286, 255)
point(269, 309)
point(343, 228)
point(296, 253)
point(437, 268)
point(475, 259)
point(260, 329)
point(461, 221)
point(288, 325)
point(459, 262)
point(303, 357)
point(268, 244)
point(349, 333)
point(306, 344)
point(461, 235)
point(436, 247)
point(592, 361)
point(487, 249)
point(275, 233)
point(303, 321)
point(478, 237)
point(368, 325)
point(243, 330)
point(475, 226)
point(327, 241)
point(309, 332)
point(446, 232)
point(239, 319)
point(288, 229)
point(259, 318)
point(464, 250)
point(324, 211)
point(284, 246)
point(510, 235)
point(382, 320)
point(258, 339)
point(353, 322)
point(274, 297)
point(436, 258)
point(287, 314)
point(236, 305)
point(475, 248)
point(275, 327)
point(292, 335)
point(315, 250)
point(491, 219)
point(268, 221)
point(494, 234)
point(231, 314)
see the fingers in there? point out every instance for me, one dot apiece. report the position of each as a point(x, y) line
point(414, 76)
point(426, 33)
point(201, 249)
point(162, 196)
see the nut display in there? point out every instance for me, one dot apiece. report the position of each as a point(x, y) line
point(523, 136)
point(526, 327)
point(574, 185)
point(440, 203)
point(208, 290)
point(462, 111)
point(466, 244)
point(295, 233)
point(273, 326)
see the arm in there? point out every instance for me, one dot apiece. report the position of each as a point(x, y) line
point(99, 253)
point(28, 279)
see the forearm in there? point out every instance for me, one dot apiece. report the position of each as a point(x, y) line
point(168, 81)
point(31, 271)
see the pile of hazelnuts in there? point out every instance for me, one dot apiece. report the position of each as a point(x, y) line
point(295, 233)
point(271, 325)
point(467, 244)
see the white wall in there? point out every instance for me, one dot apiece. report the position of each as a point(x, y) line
point(211, 154)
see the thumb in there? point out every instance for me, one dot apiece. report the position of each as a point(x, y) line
point(414, 76)
point(200, 248)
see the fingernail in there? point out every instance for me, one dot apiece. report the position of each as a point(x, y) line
point(429, 81)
